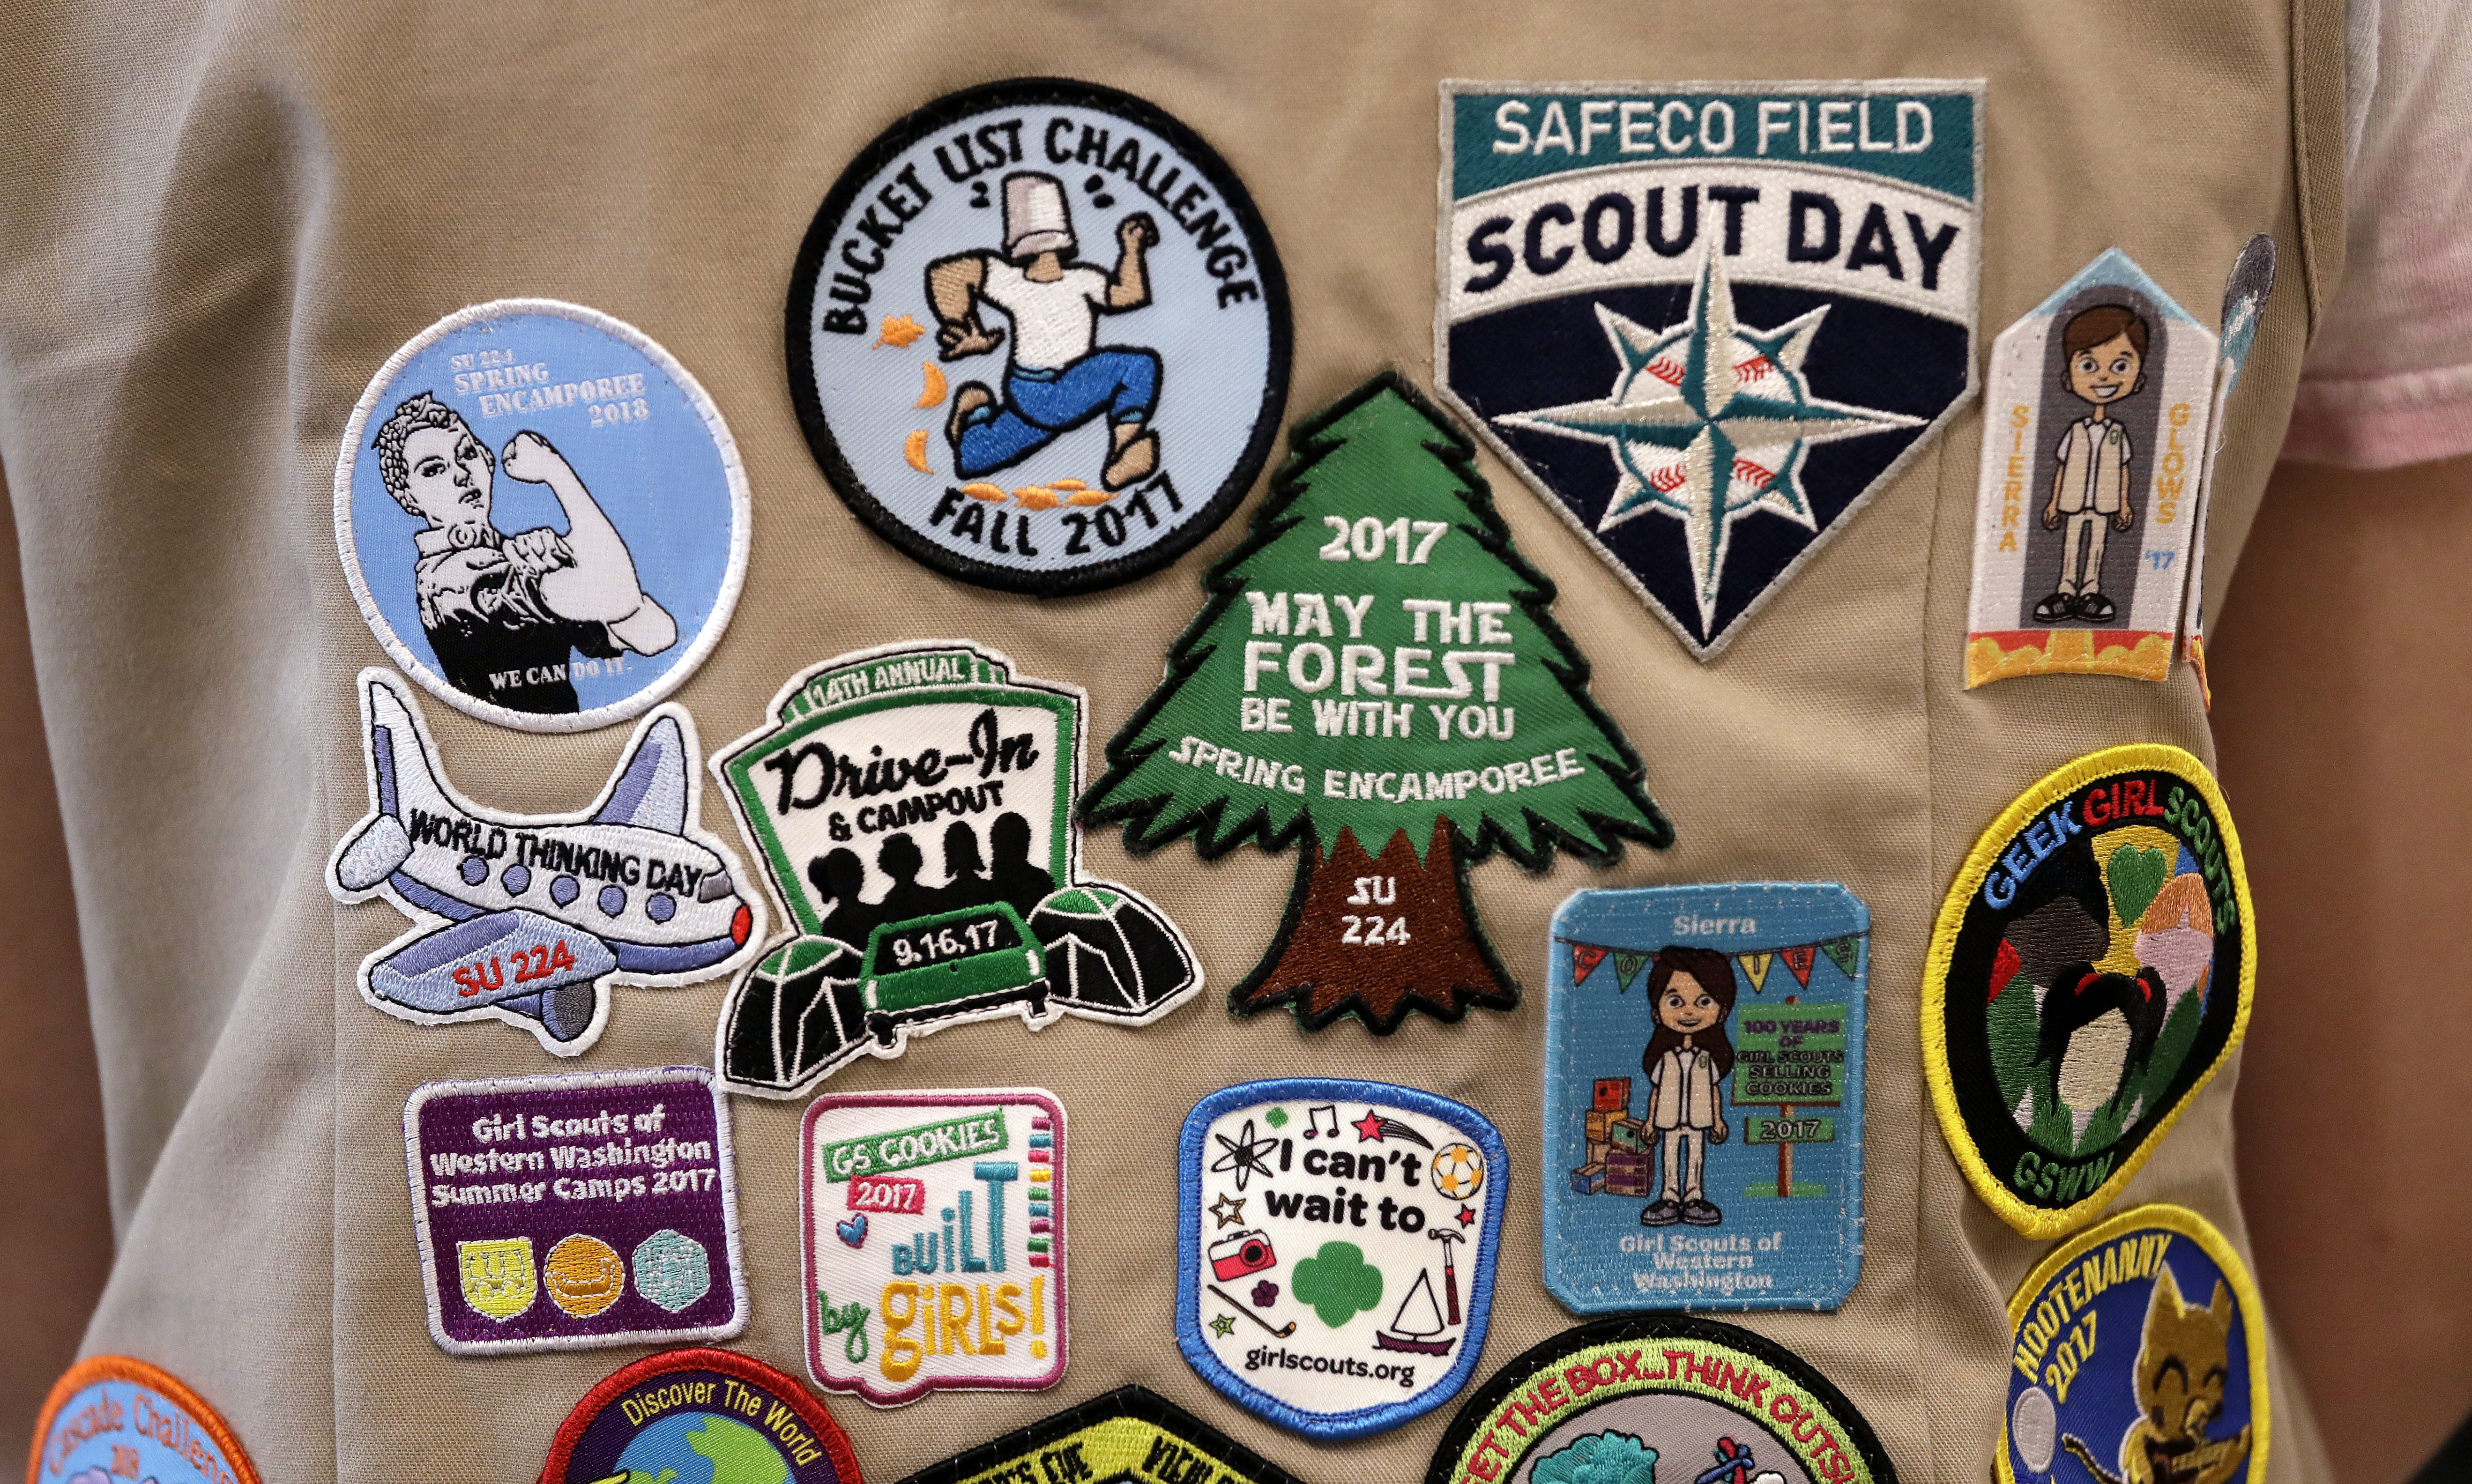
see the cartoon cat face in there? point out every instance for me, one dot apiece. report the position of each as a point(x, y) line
point(2184, 1360)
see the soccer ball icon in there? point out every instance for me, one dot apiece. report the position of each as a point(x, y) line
point(1459, 1172)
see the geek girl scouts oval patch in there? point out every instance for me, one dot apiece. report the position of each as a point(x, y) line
point(115, 1418)
point(2090, 969)
point(542, 515)
point(1038, 337)
point(1663, 1397)
point(700, 1417)
point(2138, 1353)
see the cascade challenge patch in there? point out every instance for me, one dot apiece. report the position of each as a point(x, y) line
point(1708, 321)
point(2091, 967)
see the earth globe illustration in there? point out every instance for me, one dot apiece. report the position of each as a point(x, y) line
point(702, 1448)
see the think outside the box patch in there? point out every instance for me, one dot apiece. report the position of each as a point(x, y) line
point(1704, 1098)
point(1378, 680)
point(1659, 1397)
point(2139, 1352)
point(912, 807)
point(575, 1210)
point(933, 1228)
point(1336, 1244)
point(1708, 322)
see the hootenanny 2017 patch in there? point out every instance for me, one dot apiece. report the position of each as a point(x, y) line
point(1659, 1397)
point(1335, 1249)
point(1378, 679)
point(528, 918)
point(1131, 1435)
point(1705, 1136)
point(562, 1212)
point(699, 1414)
point(112, 1418)
point(1038, 337)
point(912, 806)
point(1707, 320)
point(2093, 439)
point(542, 515)
point(2139, 1352)
point(2091, 968)
point(933, 1227)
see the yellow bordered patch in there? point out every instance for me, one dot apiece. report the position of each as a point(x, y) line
point(2138, 1348)
point(2092, 966)
point(1663, 1396)
point(115, 1417)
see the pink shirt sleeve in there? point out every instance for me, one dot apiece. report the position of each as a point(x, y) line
point(2389, 381)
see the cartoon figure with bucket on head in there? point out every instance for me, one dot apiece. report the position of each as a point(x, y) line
point(1058, 377)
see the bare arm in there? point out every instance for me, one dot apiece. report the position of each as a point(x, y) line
point(2341, 742)
point(1129, 287)
point(953, 286)
point(598, 583)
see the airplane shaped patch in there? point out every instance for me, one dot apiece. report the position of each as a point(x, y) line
point(528, 918)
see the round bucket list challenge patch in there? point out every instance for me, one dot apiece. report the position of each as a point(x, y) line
point(1336, 1245)
point(1038, 337)
point(542, 515)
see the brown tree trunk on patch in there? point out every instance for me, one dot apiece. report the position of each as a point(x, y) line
point(1443, 967)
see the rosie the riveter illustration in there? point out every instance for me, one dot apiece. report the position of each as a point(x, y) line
point(506, 613)
point(1058, 377)
point(2105, 350)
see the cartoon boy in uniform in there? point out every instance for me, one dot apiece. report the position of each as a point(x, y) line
point(2106, 347)
point(505, 614)
point(1058, 377)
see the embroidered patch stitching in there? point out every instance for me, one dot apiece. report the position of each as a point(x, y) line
point(1782, 1070)
point(1407, 936)
point(1727, 1393)
point(801, 1443)
point(2060, 1347)
point(1334, 1281)
point(1039, 156)
point(484, 590)
point(1658, 398)
point(2246, 290)
point(502, 905)
point(934, 1156)
point(860, 750)
point(159, 1442)
point(2107, 339)
point(571, 1203)
point(1130, 1433)
point(2057, 1008)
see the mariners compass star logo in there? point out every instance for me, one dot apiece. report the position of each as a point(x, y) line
point(1708, 422)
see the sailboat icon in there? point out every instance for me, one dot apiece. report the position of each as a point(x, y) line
point(1417, 1321)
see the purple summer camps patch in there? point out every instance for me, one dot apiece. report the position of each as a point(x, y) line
point(560, 1213)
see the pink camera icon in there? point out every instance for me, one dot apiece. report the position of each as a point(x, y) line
point(1246, 1252)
